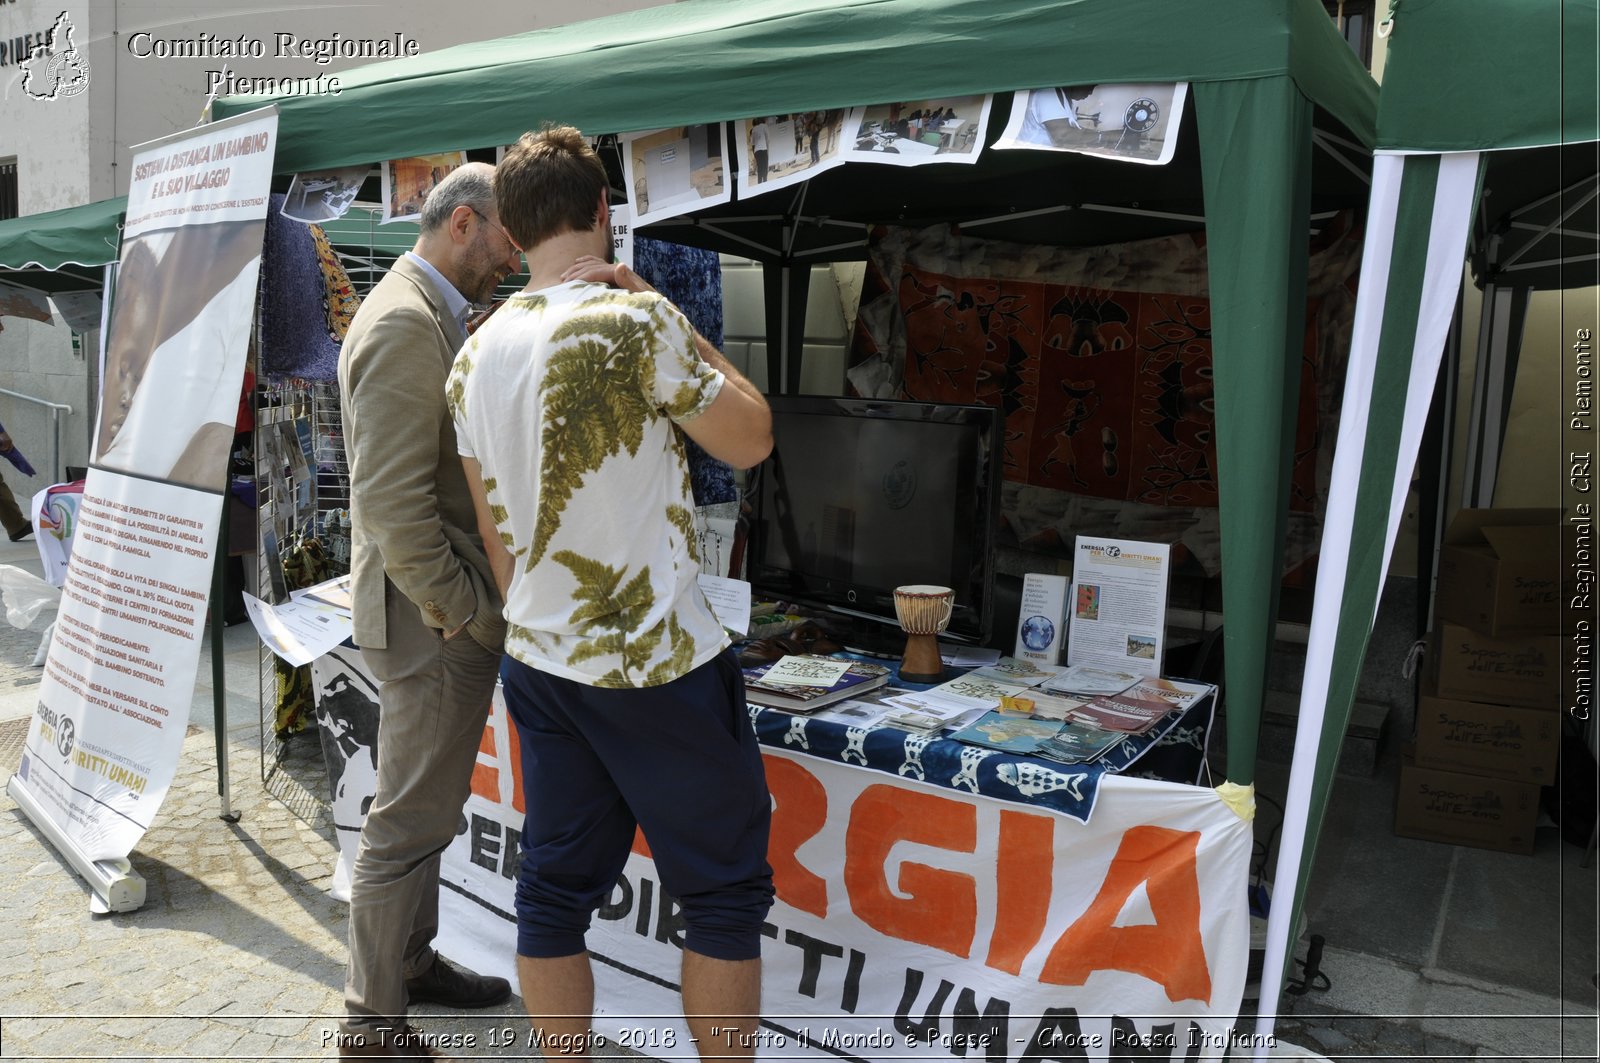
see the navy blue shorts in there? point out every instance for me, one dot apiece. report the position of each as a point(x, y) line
point(678, 760)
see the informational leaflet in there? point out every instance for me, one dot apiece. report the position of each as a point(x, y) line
point(1119, 604)
point(299, 630)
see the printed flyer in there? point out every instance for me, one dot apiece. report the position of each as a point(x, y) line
point(1119, 604)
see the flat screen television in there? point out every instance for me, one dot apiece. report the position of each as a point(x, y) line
point(861, 496)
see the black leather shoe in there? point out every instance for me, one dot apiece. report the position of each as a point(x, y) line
point(445, 983)
point(408, 1043)
point(21, 534)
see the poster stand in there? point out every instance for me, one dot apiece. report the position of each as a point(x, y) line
point(116, 886)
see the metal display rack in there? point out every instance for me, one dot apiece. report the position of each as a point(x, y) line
point(291, 764)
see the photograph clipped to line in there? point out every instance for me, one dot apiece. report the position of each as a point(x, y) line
point(324, 195)
point(779, 150)
point(1133, 123)
point(407, 182)
point(669, 172)
point(948, 129)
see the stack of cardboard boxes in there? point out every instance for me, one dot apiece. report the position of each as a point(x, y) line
point(1489, 719)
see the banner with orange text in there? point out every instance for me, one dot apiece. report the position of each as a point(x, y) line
point(916, 921)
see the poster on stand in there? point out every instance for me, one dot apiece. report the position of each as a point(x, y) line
point(779, 150)
point(914, 132)
point(405, 183)
point(668, 172)
point(182, 303)
point(1119, 604)
point(114, 701)
point(1131, 123)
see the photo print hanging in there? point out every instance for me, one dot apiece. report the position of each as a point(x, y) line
point(779, 150)
point(668, 172)
point(1131, 123)
point(407, 182)
point(914, 132)
point(324, 195)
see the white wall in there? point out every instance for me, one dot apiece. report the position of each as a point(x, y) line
point(830, 314)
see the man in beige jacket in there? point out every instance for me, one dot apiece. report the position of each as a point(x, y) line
point(427, 613)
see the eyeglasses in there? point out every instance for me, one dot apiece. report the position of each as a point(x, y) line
point(496, 227)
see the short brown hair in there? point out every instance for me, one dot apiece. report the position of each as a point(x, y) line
point(549, 183)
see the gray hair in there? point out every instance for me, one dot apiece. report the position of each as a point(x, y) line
point(471, 186)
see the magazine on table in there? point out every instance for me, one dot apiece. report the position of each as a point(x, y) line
point(1090, 680)
point(1045, 706)
point(924, 711)
point(807, 682)
point(1178, 693)
point(973, 691)
point(1008, 732)
point(855, 712)
point(1122, 712)
point(1079, 743)
point(1013, 670)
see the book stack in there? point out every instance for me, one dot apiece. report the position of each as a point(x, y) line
point(803, 683)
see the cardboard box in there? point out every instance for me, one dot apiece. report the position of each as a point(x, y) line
point(1475, 810)
point(1499, 571)
point(1523, 670)
point(1504, 741)
point(1042, 618)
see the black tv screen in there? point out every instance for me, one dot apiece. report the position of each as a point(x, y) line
point(861, 496)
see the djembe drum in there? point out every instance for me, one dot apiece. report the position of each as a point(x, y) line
point(923, 611)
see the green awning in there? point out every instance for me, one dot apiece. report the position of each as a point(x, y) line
point(711, 60)
point(61, 250)
point(1470, 75)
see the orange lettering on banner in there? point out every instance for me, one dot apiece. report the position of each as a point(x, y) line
point(800, 808)
point(1022, 888)
point(941, 907)
point(641, 846)
point(486, 777)
point(1169, 951)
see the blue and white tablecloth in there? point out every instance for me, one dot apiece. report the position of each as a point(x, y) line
point(1174, 750)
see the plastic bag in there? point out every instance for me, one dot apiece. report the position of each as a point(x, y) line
point(25, 595)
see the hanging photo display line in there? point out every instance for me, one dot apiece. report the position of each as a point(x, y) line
point(915, 132)
point(668, 172)
point(325, 195)
point(1130, 123)
point(776, 151)
point(407, 182)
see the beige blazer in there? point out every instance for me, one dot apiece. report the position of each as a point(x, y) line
point(411, 515)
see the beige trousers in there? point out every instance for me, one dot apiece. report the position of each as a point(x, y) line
point(433, 699)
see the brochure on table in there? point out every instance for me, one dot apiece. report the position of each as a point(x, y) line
point(1119, 604)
